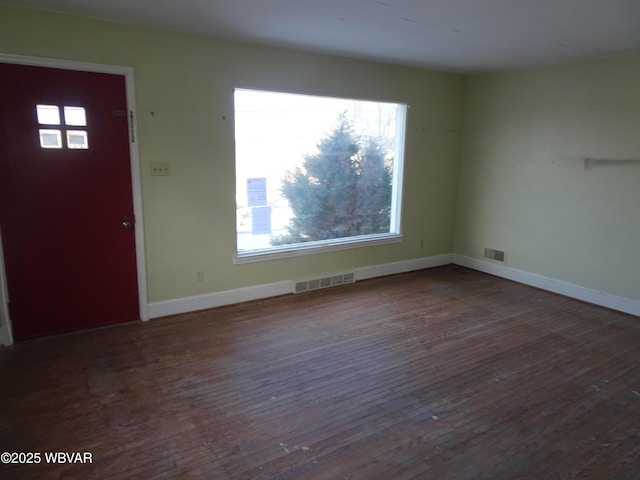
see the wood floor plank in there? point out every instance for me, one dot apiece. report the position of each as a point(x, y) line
point(441, 373)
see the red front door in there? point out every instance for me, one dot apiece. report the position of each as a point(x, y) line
point(65, 190)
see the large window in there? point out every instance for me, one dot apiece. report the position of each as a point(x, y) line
point(315, 173)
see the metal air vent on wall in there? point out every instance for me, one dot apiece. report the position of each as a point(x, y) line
point(494, 254)
point(324, 282)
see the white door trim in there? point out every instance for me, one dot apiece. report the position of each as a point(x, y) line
point(6, 334)
point(6, 337)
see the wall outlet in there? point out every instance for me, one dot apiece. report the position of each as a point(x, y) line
point(160, 169)
point(200, 276)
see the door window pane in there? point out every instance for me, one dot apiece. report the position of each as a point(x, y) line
point(75, 116)
point(77, 139)
point(50, 138)
point(48, 114)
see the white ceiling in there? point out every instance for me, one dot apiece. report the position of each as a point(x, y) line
point(454, 35)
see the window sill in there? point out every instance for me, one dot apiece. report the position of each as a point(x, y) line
point(312, 248)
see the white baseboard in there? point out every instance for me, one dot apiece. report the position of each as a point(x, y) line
point(228, 297)
point(6, 336)
point(6, 339)
point(217, 299)
point(403, 266)
point(572, 290)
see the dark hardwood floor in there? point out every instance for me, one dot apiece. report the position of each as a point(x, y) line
point(445, 373)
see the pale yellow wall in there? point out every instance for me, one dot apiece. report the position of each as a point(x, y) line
point(524, 187)
point(188, 82)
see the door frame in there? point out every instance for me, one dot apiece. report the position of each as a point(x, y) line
point(6, 335)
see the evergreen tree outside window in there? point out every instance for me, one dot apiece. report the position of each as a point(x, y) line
point(314, 172)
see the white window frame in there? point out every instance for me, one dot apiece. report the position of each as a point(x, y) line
point(345, 243)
